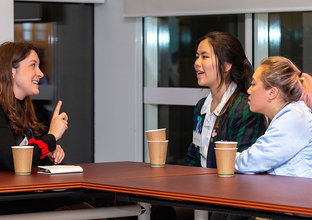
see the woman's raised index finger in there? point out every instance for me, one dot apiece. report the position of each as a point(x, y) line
point(57, 109)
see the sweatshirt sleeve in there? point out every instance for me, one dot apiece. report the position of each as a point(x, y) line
point(285, 137)
point(6, 141)
point(42, 146)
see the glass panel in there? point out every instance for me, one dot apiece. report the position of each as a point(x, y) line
point(176, 38)
point(178, 120)
point(290, 35)
point(261, 38)
point(64, 35)
point(169, 52)
point(39, 34)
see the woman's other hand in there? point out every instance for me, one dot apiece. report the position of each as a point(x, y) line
point(59, 122)
point(57, 155)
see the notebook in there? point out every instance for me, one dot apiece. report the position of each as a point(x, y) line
point(55, 169)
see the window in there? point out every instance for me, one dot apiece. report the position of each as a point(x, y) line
point(169, 56)
point(63, 33)
point(169, 48)
point(290, 35)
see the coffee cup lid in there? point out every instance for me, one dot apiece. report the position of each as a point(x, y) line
point(226, 142)
point(160, 129)
point(216, 148)
point(22, 147)
point(158, 141)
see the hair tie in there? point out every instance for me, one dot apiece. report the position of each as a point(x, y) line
point(245, 60)
point(300, 74)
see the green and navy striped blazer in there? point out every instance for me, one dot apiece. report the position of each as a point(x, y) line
point(236, 124)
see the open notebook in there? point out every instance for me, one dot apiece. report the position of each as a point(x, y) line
point(55, 169)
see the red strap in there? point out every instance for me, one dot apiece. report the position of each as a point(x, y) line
point(43, 146)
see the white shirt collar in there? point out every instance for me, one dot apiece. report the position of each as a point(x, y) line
point(206, 107)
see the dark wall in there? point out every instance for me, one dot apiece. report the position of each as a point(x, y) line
point(72, 70)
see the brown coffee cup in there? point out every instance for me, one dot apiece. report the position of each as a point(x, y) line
point(157, 153)
point(22, 158)
point(225, 161)
point(226, 144)
point(156, 135)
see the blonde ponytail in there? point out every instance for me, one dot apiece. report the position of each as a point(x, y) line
point(306, 95)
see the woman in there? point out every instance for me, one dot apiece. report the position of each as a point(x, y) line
point(19, 79)
point(221, 65)
point(284, 94)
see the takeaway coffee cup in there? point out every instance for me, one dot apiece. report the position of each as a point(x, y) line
point(225, 161)
point(226, 144)
point(157, 153)
point(22, 158)
point(156, 135)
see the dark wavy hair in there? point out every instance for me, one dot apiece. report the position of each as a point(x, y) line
point(21, 114)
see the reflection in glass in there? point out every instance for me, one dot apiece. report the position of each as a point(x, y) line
point(290, 35)
point(176, 38)
point(178, 120)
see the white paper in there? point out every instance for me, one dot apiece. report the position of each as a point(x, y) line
point(55, 169)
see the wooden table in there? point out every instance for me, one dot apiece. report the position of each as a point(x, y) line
point(92, 172)
point(179, 184)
